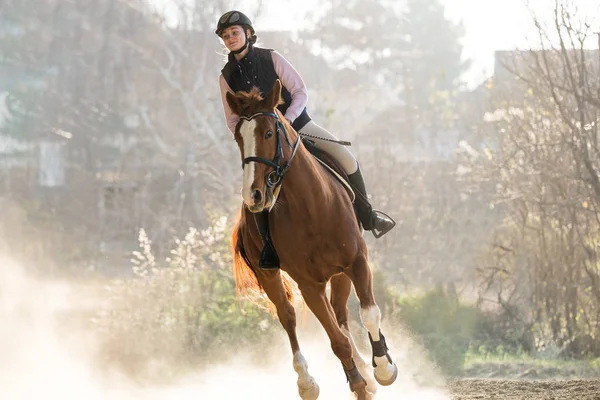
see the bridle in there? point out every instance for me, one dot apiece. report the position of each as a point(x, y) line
point(274, 178)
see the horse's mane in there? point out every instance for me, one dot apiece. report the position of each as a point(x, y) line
point(251, 102)
point(252, 96)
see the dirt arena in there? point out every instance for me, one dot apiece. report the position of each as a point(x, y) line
point(36, 349)
point(467, 389)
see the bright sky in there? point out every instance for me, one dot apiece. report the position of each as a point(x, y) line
point(490, 25)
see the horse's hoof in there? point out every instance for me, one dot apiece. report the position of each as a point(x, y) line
point(308, 390)
point(388, 378)
point(368, 374)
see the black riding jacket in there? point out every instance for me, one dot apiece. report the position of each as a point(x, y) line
point(257, 69)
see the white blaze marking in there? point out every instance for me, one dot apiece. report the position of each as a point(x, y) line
point(247, 132)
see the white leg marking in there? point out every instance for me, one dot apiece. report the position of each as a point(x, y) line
point(307, 387)
point(247, 132)
point(371, 319)
point(363, 367)
point(360, 362)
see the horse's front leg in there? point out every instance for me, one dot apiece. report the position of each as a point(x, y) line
point(341, 286)
point(271, 282)
point(316, 299)
point(386, 370)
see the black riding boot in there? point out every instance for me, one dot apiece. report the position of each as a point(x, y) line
point(268, 257)
point(371, 220)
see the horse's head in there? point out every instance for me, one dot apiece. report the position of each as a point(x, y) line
point(262, 136)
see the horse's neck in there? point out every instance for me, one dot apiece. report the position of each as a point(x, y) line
point(305, 183)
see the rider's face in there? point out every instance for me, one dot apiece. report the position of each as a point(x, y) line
point(233, 37)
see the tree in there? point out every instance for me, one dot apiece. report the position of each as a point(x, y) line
point(432, 65)
point(544, 265)
point(137, 101)
point(409, 48)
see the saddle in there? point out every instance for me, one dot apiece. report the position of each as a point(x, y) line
point(357, 197)
point(332, 166)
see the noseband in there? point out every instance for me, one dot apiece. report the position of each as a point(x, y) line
point(273, 178)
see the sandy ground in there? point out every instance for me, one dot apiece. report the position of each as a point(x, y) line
point(40, 361)
point(519, 389)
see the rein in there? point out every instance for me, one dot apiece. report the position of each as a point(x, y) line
point(274, 178)
point(342, 142)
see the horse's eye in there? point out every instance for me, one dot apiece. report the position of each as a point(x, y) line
point(268, 135)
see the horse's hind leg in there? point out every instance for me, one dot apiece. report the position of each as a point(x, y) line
point(386, 371)
point(273, 287)
point(316, 299)
point(341, 286)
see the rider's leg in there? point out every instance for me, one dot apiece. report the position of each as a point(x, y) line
point(341, 153)
point(369, 219)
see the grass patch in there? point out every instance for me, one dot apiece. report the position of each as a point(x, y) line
point(525, 366)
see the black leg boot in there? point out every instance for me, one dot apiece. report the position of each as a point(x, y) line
point(268, 257)
point(372, 220)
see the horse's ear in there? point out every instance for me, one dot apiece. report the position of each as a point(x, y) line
point(234, 103)
point(273, 98)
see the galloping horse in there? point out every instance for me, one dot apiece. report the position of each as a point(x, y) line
point(315, 231)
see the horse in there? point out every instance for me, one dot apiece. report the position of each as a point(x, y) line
point(314, 229)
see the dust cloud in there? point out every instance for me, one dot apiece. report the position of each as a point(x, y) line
point(44, 355)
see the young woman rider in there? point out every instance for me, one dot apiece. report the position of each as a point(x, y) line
point(249, 66)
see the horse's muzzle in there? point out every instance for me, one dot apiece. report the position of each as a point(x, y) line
point(256, 196)
point(259, 200)
point(256, 201)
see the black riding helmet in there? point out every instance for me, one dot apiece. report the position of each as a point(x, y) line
point(232, 18)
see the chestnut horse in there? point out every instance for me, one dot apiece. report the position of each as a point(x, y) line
point(317, 237)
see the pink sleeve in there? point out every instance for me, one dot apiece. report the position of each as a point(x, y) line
point(293, 82)
point(230, 117)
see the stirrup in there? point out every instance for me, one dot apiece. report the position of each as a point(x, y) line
point(379, 234)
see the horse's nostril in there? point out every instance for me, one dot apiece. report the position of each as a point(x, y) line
point(256, 196)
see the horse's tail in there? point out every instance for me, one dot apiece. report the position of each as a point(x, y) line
point(246, 282)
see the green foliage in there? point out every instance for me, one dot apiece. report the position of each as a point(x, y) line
point(444, 326)
point(182, 313)
point(484, 352)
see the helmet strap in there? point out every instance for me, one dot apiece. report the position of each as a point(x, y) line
point(238, 51)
